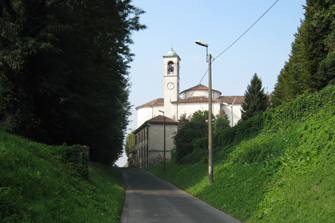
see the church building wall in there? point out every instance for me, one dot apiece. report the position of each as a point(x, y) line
point(236, 113)
point(190, 108)
point(198, 93)
point(146, 113)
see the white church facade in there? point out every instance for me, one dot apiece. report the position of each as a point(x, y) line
point(176, 103)
point(154, 133)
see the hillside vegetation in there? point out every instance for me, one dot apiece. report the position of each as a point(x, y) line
point(275, 167)
point(64, 72)
point(38, 185)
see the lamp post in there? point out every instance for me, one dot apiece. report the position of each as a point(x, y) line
point(210, 134)
point(164, 141)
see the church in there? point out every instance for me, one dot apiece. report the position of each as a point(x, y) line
point(149, 144)
point(176, 103)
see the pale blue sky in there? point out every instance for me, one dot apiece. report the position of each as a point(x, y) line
point(178, 23)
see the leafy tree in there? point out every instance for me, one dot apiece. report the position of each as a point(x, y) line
point(63, 72)
point(221, 122)
point(184, 140)
point(311, 63)
point(256, 101)
point(183, 120)
point(200, 119)
point(190, 133)
point(293, 78)
point(313, 32)
point(130, 143)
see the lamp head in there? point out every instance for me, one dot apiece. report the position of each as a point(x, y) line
point(201, 43)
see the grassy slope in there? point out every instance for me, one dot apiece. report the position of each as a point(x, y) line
point(285, 173)
point(35, 186)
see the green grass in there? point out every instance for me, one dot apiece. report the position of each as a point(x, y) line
point(284, 173)
point(36, 185)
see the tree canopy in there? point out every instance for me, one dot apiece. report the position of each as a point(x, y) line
point(63, 71)
point(255, 100)
point(130, 143)
point(221, 122)
point(189, 132)
point(312, 62)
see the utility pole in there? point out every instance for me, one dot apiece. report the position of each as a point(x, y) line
point(164, 144)
point(210, 134)
point(164, 140)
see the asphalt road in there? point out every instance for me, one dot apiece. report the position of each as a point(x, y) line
point(150, 199)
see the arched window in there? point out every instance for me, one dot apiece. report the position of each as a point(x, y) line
point(170, 68)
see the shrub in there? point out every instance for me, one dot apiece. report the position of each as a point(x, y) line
point(78, 157)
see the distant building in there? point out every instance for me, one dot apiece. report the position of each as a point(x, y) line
point(149, 141)
point(176, 103)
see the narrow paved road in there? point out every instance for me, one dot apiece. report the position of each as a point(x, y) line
point(150, 199)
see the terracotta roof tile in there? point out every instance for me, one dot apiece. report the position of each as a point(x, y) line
point(157, 120)
point(226, 99)
point(160, 119)
point(196, 99)
point(199, 87)
point(158, 101)
point(230, 99)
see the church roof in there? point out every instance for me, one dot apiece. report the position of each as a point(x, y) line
point(199, 87)
point(172, 53)
point(157, 101)
point(196, 99)
point(226, 99)
point(230, 99)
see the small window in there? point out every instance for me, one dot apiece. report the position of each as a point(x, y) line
point(170, 67)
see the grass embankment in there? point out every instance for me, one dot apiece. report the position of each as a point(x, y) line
point(36, 185)
point(277, 167)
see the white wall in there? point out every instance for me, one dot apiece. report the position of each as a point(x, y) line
point(190, 108)
point(236, 113)
point(146, 113)
point(198, 93)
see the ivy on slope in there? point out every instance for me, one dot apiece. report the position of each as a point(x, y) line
point(38, 185)
point(276, 167)
point(282, 168)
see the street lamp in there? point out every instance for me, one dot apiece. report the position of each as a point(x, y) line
point(164, 141)
point(210, 134)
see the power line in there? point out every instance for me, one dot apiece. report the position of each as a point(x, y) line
point(179, 109)
point(214, 58)
point(245, 31)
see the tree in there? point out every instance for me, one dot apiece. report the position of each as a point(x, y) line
point(190, 133)
point(184, 139)
point(130, 143)
point(255, 100)
point(311, 63)
point(221, 122)
point(63, 72)
point(313, 33)
point(183, 120)
point(200, 119)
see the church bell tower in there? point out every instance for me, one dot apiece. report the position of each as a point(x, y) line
point(171, 83)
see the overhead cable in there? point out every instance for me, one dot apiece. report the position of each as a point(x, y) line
point(245, 31)
point(214, 58)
